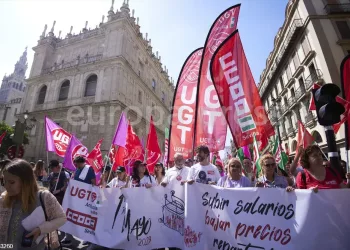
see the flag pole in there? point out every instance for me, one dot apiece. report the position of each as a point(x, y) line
point(59, 173)
point(104, 168)
point(112, 164)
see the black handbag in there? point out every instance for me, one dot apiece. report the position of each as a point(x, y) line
point(48, 235)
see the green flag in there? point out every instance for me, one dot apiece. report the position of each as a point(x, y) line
point(280, 156)
point(240, 154)
point(256, 157)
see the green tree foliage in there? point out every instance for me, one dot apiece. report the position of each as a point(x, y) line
point(7, 142)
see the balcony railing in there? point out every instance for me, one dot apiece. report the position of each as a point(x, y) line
point(290, 130)
point(78, 61)
point(309, 118)
point(337, 8)
point(299, 93)
point(289, 40)
point(313, 78)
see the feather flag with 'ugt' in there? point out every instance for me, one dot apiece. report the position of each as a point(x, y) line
point(239, 96)
point(184, 108)
point(211, 125)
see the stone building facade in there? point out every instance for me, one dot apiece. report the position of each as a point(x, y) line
point(12, 91)
point(84, 81)
point(308, 49)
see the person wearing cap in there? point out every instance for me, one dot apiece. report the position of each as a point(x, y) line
point(203, 172)
point(188, 163)
point(122, 179)
point(140, 176)
point(58, 181)
point(84, 172)
point(159, 172)
point(178, 173)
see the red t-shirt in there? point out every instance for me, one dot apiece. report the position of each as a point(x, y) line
point(331, 181)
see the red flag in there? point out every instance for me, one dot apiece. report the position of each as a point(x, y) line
point(184, 108)
point(345, 84)
point(95, 157)
point(211, 125)
point(116, 156)
point(153, 150)
point(264, 142)
point(133, 150)
point(304, 137)
point(239, 96)
point(2, 137)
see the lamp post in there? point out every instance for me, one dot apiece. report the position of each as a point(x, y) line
point(20, 128)
point(275, 102)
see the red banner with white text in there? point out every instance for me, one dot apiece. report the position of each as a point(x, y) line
point(211, 126)
point(240, 100)
point(184, 108)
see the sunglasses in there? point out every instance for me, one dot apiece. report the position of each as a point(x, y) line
point(271, 165)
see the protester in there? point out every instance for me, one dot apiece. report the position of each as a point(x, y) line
point(204, 171)
point(269, 178)
point(295, 168)
point(234, 178)
point(159, 172)
point(58, 181)
point(315, 176)
point(188, 163)
point(122, 179)
point(140, 176)
point(84, 173)
point(17, 204)
point(40, 172)
point(178, 173)
point(106, 177)
point(32, 164)
point(248, 169)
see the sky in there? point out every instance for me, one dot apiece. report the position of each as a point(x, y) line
point(176, 27)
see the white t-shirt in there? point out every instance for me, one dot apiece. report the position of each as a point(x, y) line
point(176, 175)
point(203, 174)
point(145, 180)
point(115, 182)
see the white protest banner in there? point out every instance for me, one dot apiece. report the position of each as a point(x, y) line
point(131, 218)
point(208, 218)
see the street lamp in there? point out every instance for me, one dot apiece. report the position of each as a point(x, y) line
point(20, 128)
point(275, 102)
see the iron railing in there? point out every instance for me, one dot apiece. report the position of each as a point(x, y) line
point(313, 78)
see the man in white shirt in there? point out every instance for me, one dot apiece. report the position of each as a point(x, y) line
point(178, 173)
point(203, 172)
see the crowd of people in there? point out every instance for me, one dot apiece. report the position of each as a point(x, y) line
point(25, 187)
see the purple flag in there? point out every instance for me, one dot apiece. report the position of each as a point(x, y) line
point(246, 152)
point(74, 149)
point(57, 139)
point(121, 132)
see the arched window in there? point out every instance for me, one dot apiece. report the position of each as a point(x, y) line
point(91, 83)
point(294, 145)
point(153, 84)
point(316, 135)
point(64, 91)
point(42, 94)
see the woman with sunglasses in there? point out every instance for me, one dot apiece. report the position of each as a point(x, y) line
point(315, 176)
point(140, 176)
point(269, 178)
point(234, 177)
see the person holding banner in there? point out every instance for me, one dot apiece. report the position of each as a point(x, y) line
point(270, 178)
point(178, 173)
point(234, 178)
point(106, 177)
point(28, 213)
point(122, 179)
point(159, 172)
point(248, 169)
point(204, 171)
point(84, 172)
point(315, 176)
point(140, 176)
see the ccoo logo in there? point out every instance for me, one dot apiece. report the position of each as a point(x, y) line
point(61, 140)
point(192, 75)
point(216, 40)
